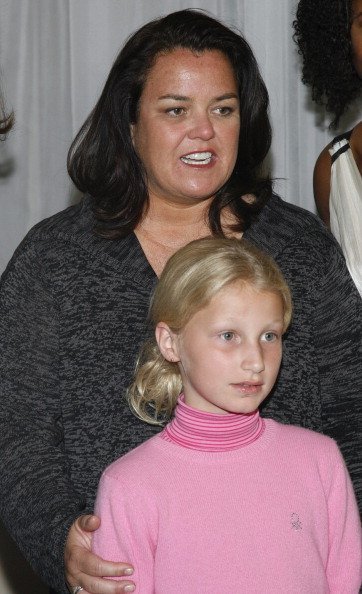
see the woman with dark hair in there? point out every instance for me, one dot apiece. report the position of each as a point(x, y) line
point(329, 37)
point(103, 161)
point(173, 151)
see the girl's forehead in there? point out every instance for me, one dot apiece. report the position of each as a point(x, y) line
point(240, 293)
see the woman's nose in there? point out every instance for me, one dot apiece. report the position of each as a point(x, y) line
point(201, 127)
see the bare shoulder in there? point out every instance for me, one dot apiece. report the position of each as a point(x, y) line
point(322, 172)
point(322, 183)
point(356, 144)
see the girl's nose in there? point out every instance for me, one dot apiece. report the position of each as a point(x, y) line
point(253, 358)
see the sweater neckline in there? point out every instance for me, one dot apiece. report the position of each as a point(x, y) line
point(198, 430)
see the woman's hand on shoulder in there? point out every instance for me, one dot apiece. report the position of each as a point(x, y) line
point(322, 184)
point(84, 568)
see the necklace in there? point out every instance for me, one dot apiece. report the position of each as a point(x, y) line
point(157, 251)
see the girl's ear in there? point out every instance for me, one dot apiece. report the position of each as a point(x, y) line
point(167, 342)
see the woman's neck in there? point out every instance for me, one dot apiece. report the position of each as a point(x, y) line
point(198, 430)
point(167, 217)
point(166, 227)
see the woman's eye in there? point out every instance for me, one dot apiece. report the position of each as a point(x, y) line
point(225, 110)
point(227, 336)
point(270, 336)
point(175, 111)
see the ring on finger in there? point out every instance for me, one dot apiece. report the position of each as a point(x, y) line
point(77, 589)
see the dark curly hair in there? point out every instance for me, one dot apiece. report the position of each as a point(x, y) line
point(322, 33)
point(102, 160)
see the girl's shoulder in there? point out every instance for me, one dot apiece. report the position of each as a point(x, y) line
point(141, 467)
point(137, 458)
point(310, 443)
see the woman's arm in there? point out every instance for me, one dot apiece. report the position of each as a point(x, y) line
point(39, 502)
point(87, 569)
point(356, 145)
point(337, 322)
point(322, 184)
point(322, 173)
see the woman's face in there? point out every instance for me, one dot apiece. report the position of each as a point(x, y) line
point(356, 35)
point(188, 125)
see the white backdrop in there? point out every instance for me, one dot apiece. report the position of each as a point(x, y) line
point(54, 58)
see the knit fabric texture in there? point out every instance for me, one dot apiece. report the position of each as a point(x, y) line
point(73, 314)
point(275, 515)
point(198, 430)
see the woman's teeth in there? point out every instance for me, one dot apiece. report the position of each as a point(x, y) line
point(197, 158)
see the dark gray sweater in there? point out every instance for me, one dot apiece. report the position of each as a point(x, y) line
point(73, 313)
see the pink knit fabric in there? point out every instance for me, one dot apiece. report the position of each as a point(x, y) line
point(276, 516)
point(212, 432)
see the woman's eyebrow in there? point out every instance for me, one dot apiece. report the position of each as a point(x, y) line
point(175, 97)
point(184, 98)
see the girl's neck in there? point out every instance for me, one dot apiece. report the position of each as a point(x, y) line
point(198, 430)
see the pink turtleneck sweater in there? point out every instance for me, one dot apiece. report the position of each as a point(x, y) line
point(234, 504)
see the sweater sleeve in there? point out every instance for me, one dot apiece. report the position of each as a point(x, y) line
point(38, 502)
point(128, 530)
point(338, 341)
point(344, 567)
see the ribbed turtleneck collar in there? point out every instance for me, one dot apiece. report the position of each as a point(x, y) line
point(198, 430)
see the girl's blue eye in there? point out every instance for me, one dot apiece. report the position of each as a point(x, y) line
point(270, 336)
point(227, 336)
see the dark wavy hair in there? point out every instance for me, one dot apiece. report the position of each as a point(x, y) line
point(322, 33)
point(102, 160)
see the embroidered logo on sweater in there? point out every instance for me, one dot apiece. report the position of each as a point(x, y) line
point(295, 521)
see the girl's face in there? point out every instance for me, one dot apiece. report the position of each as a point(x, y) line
point(356, 35)
point(229, 353)
point(187, 130)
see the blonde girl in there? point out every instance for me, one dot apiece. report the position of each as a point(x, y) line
point(222, 499)
point(190, 280)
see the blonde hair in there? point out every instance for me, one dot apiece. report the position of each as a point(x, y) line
point(189, 281)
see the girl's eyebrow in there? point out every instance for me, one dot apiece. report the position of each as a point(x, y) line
point(184, 98)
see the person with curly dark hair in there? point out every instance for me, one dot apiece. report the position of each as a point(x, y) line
point(329, 38)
